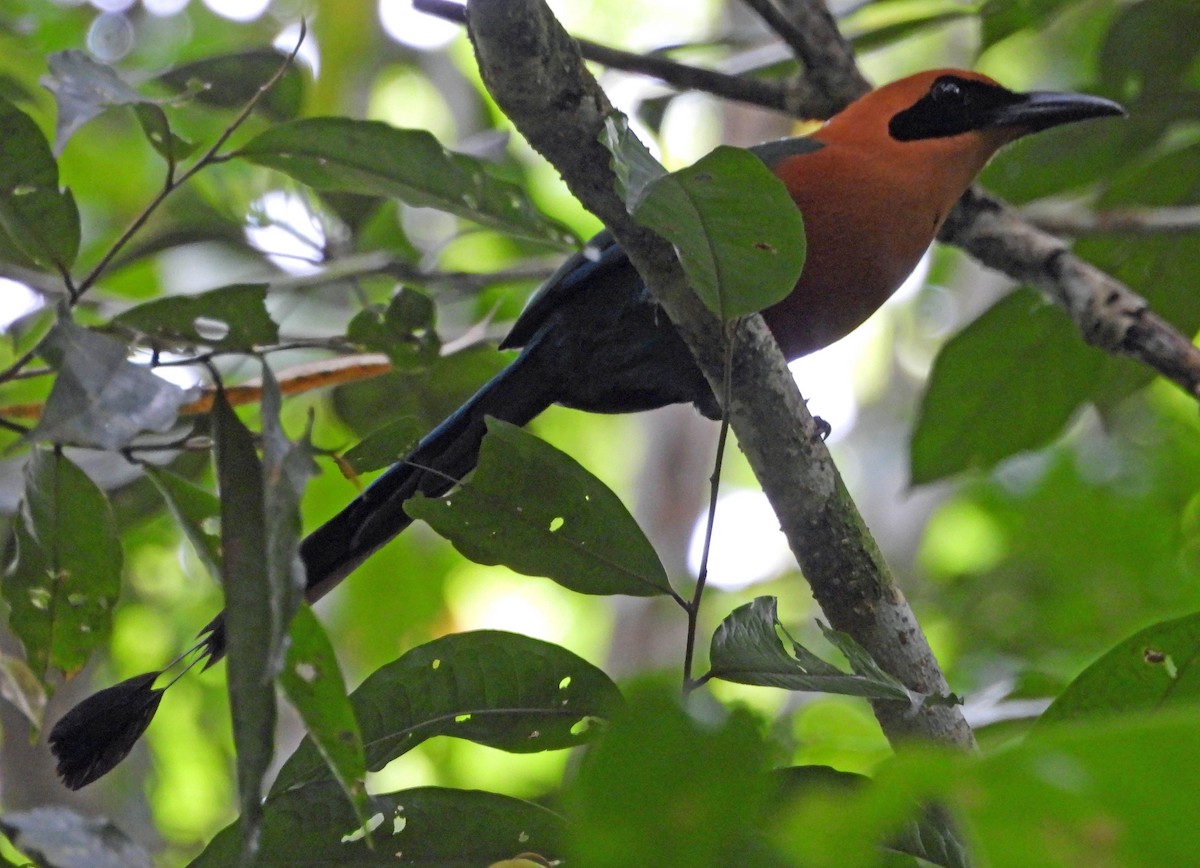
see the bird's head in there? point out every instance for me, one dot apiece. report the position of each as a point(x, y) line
point(964, 107)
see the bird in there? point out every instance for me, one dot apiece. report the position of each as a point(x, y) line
point(874, 185)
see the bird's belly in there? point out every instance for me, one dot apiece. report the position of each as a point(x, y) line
point(845, 279)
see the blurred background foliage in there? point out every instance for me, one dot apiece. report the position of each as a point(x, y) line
point(1022, 567)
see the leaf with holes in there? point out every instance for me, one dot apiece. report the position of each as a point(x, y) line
point(536, 510)
point(354, 156)
point(67, 573)
point(426, 826)
point(229, 318)
point(738, 234)
point(312, 680)
point(499, 689)
point(1153, 668)
point(39, 223)
point(232, 80)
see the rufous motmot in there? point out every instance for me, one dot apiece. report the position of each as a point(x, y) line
point(874, 185)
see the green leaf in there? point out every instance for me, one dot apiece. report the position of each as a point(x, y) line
point(738, 234)
point(498, 689)
point(194, 510)
point(60, 836)
point(312, 680)
point(262, 575)
point(232, 80)
point(1115, 792)
point(67, 572)
point(985, 402)
point(747, 649)
point(1154, 668)
point(99, 397)
point(251, 609)
point(536, 510)
point(39, 223)
point(370, 157)
point(662, 788)
point(20, 687)
point(158, 132)
point(927, 836)
point(426, 826)
point(229, 318)
point(385, 446)
point(1109, 792)
point(403, 330)
point(1002, 18)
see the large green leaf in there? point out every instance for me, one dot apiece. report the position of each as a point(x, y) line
point(251, 609)
point(500, 689)
point(369, 157)
point(986, 401)
point(664, 788)
point(1154, 668)
point(67, 573)
point(1114, 792)
point(262, 576)
point(929, 836)
point(231, 317)
point(536, 510)
point(39, 223)
point(313, 682)
point(100, 398)
point(428, 826)
point(738, 234)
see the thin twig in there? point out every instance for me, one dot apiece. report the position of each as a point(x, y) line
point(1078, 222)
point(682, 76)
point(76, 291)
point(206, 159)
point(693, 609)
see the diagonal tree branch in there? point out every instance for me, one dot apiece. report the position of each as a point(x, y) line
point(534, 71)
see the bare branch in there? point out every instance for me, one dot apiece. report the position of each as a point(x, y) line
point(534, 71)
point(831, 79)
point(1107, 313)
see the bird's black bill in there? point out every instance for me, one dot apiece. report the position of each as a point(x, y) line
point(1041, 110)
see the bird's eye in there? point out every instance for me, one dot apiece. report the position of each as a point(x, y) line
point(945, 90)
